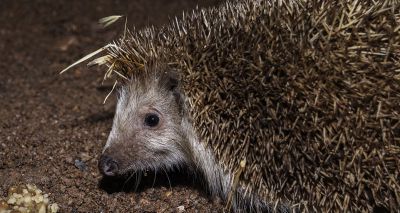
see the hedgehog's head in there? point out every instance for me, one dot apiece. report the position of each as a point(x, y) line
point(147, 131)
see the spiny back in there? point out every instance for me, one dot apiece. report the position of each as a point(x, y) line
point(307, 92)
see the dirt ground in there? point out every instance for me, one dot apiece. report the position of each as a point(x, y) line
point(52, 127)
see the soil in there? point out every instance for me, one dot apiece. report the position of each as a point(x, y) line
point(53, 127)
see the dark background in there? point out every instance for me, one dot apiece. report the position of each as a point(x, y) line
point(48, 122)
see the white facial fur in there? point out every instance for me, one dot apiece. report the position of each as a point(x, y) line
point(139, 147)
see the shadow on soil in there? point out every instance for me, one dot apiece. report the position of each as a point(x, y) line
point(136, 182)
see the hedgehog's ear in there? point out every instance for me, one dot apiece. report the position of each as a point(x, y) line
point(171, 81)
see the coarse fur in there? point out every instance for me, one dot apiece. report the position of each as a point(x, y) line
point(289, 87)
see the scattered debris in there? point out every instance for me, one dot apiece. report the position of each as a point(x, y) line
point(27, 198)
point(107, 21)
point(67, 42)
point(81, 165)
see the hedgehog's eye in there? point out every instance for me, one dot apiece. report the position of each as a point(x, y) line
point(151, 120)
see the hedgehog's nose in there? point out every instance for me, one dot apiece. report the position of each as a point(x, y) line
point(108, 166)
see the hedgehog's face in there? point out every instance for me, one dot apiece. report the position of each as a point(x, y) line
point(146, 133)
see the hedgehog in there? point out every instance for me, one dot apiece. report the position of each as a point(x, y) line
point(277, 105)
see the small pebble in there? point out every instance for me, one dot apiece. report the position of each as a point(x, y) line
point(42, 209)
point(169, 193)
point(54, 207)
point(3, 204)
point(181, 208)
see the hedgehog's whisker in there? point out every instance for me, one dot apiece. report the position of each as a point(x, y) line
point(154, 179)
point(138, 179)
point(169, 181)
point(127, 180)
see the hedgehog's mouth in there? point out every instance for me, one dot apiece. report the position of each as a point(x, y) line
point(149, 165)
point(141, 175)
point(114, 166)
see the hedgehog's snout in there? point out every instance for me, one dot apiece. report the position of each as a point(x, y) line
point(108, 166)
